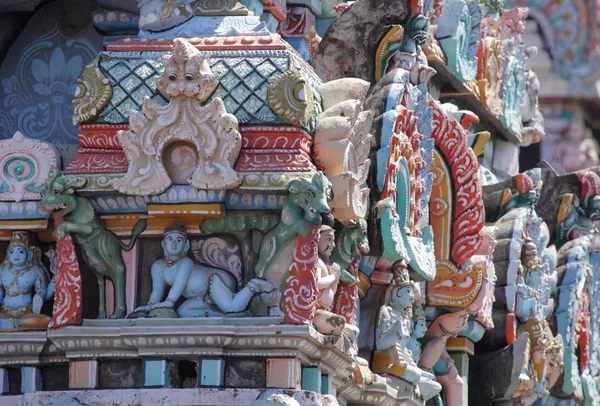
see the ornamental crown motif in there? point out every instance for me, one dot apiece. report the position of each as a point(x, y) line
point(401, 277)
point(21, 239)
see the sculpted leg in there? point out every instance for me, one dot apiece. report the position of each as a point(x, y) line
point(196, 308)
point(119, 284)
point(102, 296)
point(228, 301)
point(453, 389)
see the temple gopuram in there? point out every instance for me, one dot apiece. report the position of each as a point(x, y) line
point(300, 202)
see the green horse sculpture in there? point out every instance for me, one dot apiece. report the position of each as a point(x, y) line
point(100, 248)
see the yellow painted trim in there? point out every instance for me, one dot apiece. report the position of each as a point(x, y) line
point(208, 210)
point(461, 344)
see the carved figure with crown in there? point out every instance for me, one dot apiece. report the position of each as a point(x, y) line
point(25, 284)
point(328, 278)
point(206, 291)
point(530, 310)
point(393, 332)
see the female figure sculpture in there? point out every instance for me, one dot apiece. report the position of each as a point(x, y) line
point(201, 286)
point(24, 285)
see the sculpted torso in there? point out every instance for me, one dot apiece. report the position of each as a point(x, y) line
point(197, 280)
point(18, 286)
point(328, 278)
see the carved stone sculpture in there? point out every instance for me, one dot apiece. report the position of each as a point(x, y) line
point(92, 95)
point(328, 279)
point(25, 284)
point(351, 243)
point(393, 332)
point(342, 146)
point(207, 291)
point(419, 328)
point(24, 166)
point(530, 311)
point(302, 209)
point(459, 32)
point(188, 81)
point(101, 248)
point(436, 359)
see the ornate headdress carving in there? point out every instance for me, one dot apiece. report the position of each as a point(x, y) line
point(21, 239)
point(529, 256)
point(418, 313)
point(177, 228)
point(401, 277)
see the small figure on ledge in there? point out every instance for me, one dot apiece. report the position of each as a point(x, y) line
point(392, 334)
point(209, 292)
point(530, 311)
point(419, 328)
point(25, 284)
point(328, 277)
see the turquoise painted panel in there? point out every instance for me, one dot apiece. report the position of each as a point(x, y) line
point(155, 373)
point(212, 372)
point(325, 383)
point(311, 379)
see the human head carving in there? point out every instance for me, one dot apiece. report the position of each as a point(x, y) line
point(175, 242)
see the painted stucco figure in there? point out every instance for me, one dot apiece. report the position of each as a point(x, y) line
point(101, 249)
point(392, 333)
point(25, 284)
point(328, 279)
point(306, 201)
point(206, 291)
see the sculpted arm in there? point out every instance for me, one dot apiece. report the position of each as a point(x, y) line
point(158, 287)
point(158, 283)
point(40, 290)
point(181, 279)
point(385, 333)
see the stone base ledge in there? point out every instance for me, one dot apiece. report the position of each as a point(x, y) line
point(179, 338)
point(383, 391)
point(155, 397)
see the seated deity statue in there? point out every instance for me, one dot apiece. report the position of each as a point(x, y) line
point(208, 291)
point(328, 277)
point(25, 284)
point(393, 332)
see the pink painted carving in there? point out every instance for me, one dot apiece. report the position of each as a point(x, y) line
point(299, 22)
point(300, 294)
point(68, 302)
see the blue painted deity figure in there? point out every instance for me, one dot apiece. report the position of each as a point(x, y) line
point(393, 331)
point(419, 328)
point(208, 291)
point(530, 310)
point(25, 285)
